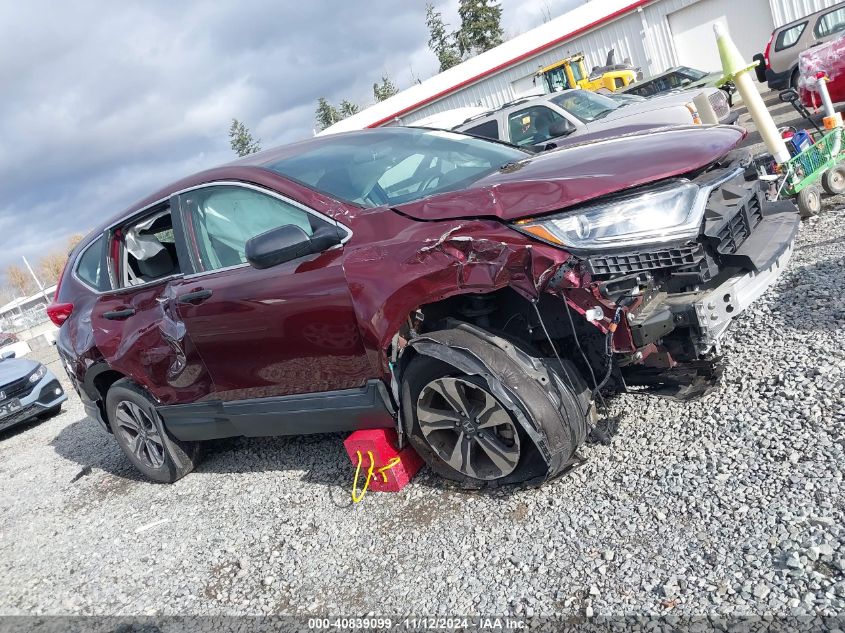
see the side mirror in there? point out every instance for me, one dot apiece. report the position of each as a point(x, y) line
point(788, 96)
point(561, 128)
point(286, 243)
point(9, 353)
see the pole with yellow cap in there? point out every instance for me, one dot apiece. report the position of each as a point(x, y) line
point(737, 71)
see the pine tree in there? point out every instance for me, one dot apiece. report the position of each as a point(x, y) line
point(241, 139)
point(481, 27)
point(347, 108)
point(440, 41)
point(385, 90)
point(326, 114)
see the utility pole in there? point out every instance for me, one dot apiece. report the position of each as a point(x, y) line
point(37, 281)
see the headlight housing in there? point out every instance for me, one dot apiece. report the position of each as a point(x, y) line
point(662, 214)
point(38, 374)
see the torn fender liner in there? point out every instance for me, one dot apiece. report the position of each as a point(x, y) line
point(550, 404)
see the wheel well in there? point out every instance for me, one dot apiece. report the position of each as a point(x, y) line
point(102, 383)
point(508, 314)
point(104, 380)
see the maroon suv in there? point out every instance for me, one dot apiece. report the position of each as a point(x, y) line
point(470, 294)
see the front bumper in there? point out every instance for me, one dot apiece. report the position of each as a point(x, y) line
point(709, 313)
point(46, 394)
point(716, 309)
point(691, 293)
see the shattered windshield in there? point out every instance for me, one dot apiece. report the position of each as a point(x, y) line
point(587, 106)
point(395, 165)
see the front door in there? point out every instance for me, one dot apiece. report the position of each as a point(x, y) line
point(288, 329)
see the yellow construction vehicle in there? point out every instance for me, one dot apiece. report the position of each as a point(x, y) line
point(571, 72)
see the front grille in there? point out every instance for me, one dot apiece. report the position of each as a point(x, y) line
point(719, 102)
point(18, 389)
point(627, 263)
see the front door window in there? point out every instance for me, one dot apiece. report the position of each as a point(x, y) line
point(223, 218)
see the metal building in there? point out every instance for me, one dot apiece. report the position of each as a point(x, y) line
point(654, 34)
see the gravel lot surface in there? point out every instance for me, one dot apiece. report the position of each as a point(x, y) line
point(732, 504)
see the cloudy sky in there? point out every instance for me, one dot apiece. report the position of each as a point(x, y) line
point(105, 102)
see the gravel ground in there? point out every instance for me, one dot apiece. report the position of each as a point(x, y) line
point(732, 504)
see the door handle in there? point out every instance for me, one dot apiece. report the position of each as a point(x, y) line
point(116, 315)
point(197, 296)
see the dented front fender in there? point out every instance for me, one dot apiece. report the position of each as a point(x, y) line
point(425, 262)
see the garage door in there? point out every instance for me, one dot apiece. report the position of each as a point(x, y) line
point(750, 23)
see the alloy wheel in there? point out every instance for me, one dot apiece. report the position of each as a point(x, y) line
point(468, 428)
point(141, 432)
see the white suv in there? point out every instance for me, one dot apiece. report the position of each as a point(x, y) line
point(779, 64)
point(534, 122)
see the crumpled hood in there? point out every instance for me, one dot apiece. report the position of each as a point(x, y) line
point(13, 369)
point(568, 176)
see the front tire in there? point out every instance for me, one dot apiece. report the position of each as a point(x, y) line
point(468, 428)
point(466, 433)
point(142, 436)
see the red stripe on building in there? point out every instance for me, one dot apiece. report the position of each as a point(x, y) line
point(515, 60)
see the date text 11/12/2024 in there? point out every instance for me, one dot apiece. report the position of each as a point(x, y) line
point(417, 623)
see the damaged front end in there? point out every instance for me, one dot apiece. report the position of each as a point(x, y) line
point(537, 316)
point(679, 293)
point(636, 292)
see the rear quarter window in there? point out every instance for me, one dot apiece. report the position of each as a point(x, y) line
point(789, 37)
point(91, 269)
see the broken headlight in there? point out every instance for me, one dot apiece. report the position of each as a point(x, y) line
point(662, 214)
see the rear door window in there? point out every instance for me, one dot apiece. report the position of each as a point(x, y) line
point(643, 89)
point(830, 23)
point(488, 129)
point(149, 249)
point(91, 267)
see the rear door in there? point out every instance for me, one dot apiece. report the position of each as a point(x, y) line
point(134, 325)
point(829, 25)
point(288, 329)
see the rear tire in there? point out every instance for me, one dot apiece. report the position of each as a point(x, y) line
point(809, 201)
point(142, 436)
point(833, 180)
point(794, 78)
point(760, 68)
point(466, 434)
